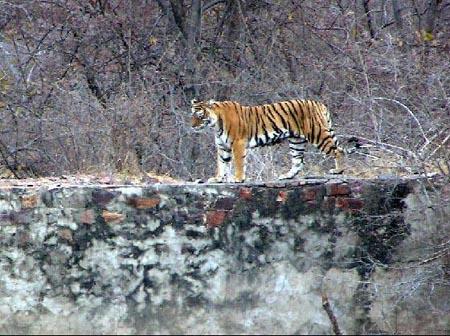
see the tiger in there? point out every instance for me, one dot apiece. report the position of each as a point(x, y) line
point(239, 127)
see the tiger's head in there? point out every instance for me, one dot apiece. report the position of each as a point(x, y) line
point(203, 114)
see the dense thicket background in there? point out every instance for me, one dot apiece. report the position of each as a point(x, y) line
point(105, 85)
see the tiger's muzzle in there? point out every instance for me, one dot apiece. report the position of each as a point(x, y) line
point(200, 124)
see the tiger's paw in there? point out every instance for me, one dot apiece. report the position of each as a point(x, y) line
point(216, 180)
point(336, 171)
point(289, 175)
point(238, 181)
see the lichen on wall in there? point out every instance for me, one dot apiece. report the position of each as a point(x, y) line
point(239, 258)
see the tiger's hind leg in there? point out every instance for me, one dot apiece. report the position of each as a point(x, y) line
point(297, 152)
point(330, 146)
point(338, 154)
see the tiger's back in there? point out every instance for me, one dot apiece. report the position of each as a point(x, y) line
point(293, 118)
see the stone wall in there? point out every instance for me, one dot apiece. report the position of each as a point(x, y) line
point(252, 258)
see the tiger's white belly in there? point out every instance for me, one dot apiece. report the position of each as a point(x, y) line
point(270, 139)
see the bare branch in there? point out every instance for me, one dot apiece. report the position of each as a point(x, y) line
point(211, 4)
point(410, 113)
point(327, 307)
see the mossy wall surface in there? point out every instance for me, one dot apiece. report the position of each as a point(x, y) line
point(239, 258)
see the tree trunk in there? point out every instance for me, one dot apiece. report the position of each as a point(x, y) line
point(368, 18)
point(432, 14)
point(232, 34)
point(397, 15)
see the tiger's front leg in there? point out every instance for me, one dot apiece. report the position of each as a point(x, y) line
point(239, 153)
point(223, 160)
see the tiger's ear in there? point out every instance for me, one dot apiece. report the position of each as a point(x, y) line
point(193, 101)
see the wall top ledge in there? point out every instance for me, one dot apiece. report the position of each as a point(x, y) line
point(305, 181)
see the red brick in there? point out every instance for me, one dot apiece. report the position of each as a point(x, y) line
point(282, 196)
point(245, 193)
point(338, 189)
point(143, 202)
point(347, 203)
point(355, 203)
point(112, 217)
point(215, 218)
point(311, 193)
point(29, 201)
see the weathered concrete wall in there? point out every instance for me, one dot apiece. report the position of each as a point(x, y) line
point(213, 258)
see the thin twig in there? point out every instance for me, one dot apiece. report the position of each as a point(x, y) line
point(331, 316)
point(438, 147)
point(410, 113)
